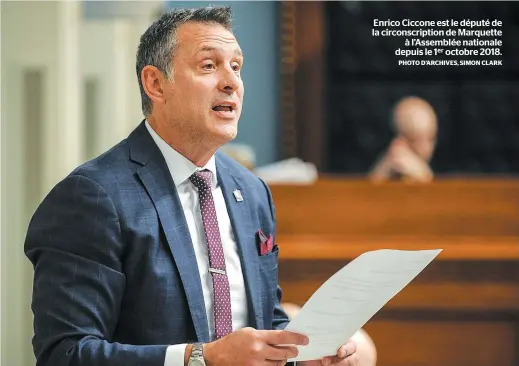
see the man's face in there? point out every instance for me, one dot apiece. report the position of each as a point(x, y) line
point(204, 99)
point(418, 126)
point(423, 144)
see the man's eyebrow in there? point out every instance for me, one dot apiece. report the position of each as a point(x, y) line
point(237, 51)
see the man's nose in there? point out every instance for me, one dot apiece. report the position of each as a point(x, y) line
point(229, 81)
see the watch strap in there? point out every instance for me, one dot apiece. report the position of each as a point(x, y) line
point(197, 354)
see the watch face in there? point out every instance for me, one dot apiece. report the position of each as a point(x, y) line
point(196, 362)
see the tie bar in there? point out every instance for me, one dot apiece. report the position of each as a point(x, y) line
point(216, 270)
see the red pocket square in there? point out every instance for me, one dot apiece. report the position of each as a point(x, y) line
point(265, 243)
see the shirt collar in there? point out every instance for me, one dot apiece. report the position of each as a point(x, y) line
point(179, 166)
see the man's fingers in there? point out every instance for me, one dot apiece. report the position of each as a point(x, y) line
point(280, 353)
point(351, 360)
point(347, 349)
point(282, 337)
point(327, 361)
point(275, 363)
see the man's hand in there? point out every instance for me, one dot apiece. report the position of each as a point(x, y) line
point(346, 356)
point(404, 161)
point(249, 346)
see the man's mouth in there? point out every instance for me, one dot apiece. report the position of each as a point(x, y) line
point(223, 108)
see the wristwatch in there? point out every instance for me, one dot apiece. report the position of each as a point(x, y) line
point(197, 355)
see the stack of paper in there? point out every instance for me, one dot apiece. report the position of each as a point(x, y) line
point(288, 171)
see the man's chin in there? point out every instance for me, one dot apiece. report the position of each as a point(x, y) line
point(227, 133)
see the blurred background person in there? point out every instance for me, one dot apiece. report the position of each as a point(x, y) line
point(415, 125)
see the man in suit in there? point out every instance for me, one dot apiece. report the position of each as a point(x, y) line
point(408, 156)
point(161, 251)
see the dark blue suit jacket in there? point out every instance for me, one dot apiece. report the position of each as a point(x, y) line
point(116, 280)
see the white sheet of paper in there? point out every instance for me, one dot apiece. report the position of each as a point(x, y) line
point(348, 299)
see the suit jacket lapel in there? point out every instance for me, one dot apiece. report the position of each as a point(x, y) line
point(157, 180)
point(239, 212)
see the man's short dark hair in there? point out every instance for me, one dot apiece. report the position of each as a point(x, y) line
point(158, 43)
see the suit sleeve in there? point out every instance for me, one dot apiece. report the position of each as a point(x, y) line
point(75, 244)
point(279, 318)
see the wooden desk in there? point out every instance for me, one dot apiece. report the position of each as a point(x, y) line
point(463, 309)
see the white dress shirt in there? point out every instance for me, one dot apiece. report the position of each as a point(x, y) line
point(181, 169)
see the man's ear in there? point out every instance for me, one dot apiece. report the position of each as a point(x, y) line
point(153, 81)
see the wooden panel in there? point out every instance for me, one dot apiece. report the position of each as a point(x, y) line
point(452, 314)
point(454, 248)
point(288, 63)
point(302, 92)
point(418, 343)
point(463, 309)
point(442, 286)
point(310, 111)
point(358, 208)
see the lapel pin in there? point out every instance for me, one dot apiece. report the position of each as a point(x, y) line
point(237, 195)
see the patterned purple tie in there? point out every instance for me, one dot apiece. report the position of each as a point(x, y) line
point(222, 295)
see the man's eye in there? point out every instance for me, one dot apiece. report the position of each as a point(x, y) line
point(208, 66)
point(236, 67)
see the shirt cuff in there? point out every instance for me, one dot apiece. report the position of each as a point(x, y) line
point(175, 355)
